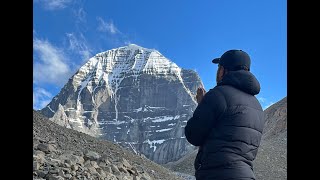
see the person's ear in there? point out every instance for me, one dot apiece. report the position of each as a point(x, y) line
point(221, 71)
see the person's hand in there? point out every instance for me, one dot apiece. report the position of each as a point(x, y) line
point(200, 93)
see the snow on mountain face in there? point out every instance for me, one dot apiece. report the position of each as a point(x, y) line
point(114, 65)
point(133, 96)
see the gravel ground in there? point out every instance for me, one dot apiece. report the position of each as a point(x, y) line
point(270, 164)
point(68, 140)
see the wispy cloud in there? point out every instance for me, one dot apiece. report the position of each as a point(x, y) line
point(107, 26)
point(268, 105)
point(111, 34)
point(80, 15)
point(79, 45)
point(49, 64)
point(261, 99)
point(41, 98)
point(127, 42)
point(265, 103)
point(53, 4)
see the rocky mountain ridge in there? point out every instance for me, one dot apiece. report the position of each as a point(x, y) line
point(132, 96)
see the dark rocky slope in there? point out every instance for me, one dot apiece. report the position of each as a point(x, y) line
point(62, 153)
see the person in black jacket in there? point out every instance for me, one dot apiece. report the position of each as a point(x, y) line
point(228, 122)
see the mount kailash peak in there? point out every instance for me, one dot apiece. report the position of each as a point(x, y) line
point(133, 96)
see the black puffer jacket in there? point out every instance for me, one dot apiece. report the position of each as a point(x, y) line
point(227, 126)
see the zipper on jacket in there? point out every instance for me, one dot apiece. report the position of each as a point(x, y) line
point(200, 153)
point(199, 167)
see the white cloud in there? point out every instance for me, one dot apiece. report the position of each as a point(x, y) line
point(265, 103)
point(127, 42)
point(110, 33)
point(261, 99)
point(53, 4)
point(50, 66)
point(41, 98)
point(107, 26)
point(79, 46)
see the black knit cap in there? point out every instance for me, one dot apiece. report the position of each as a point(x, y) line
point(233, 60)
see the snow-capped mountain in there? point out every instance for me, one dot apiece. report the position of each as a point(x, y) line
point(133, 96)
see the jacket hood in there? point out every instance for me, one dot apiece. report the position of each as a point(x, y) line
point(242, 80)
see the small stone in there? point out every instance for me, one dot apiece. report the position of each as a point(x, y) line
point(145, 176)
point(54, 171)
point(102, 164)
point(122, 169)
point(104, 158)
point(36, 165)
point(115, 170)
point(47, 148)
point(68, 176)
point(41, 173)
point(131, 171)
point(101, 172)
point(66, 170)
point(39, 153)
point(66, 165)
point(92, 170)
point(127, 178)
point(52, 177)
point(126, 163)
point(107, 169)
point(110, 176)
point(56, 162)
point(61, 173)
point(94, 164)
point(87, 163)
point(67, 161)
point(91, 155)
point(74, 167)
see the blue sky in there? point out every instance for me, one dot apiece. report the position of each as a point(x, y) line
point(66, 33)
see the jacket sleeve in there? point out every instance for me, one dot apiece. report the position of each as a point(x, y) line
point(204, 117)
